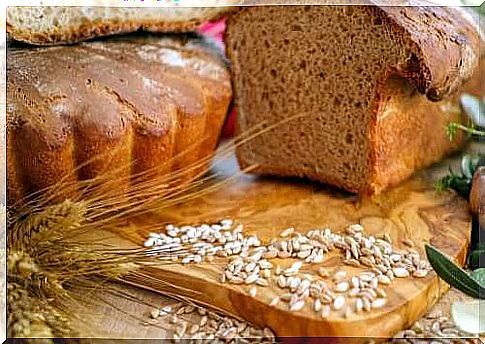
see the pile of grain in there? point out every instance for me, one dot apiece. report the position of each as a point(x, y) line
point(186, 321)
point(249, 264)
point(200, 324)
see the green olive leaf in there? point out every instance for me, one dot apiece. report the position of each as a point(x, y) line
point(453, 274)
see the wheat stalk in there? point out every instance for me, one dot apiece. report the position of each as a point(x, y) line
point(49, 252)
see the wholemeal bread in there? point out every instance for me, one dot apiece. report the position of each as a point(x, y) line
point(140, 104)
point(46, 25)
point(373, 88)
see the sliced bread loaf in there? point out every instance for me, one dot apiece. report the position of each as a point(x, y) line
point(373, 88)
point(44, 25)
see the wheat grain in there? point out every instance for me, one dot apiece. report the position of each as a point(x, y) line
point(266, 273)
point(297, 305)
point(303, 287)
point(317, 305)
point(287, 232)
point(281, 281)
point(294, 284)
point(420, 273)
point(323, 272)
point(400, 272)
point(378, 303)
point(338, 303)
point(325, 311)
point(359, 305)
point(287, 297)
point(155, 313)
point(341, 287)
point(274, 301)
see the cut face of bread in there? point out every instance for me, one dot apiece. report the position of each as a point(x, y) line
point(61, 24)
point(363, 82)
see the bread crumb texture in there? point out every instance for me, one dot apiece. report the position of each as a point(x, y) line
point(354, 80)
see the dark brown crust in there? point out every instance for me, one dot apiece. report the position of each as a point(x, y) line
point(91, 30)
point(68, 105)
point(444, 47)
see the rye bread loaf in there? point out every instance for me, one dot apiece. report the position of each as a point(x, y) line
point(47, 25)
point(128, 105)
point(373, 88)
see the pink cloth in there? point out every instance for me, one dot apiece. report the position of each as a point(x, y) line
point(214, 30)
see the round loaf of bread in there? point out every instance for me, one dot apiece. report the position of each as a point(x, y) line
point(131, 106)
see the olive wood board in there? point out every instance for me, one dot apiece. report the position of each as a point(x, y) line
point(266, 206)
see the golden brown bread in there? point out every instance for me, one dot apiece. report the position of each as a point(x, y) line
point(49, 25)
point(373, 87)
point(137, 102)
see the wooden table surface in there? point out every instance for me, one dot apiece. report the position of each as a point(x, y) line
point(111, 316)
point(133, 321)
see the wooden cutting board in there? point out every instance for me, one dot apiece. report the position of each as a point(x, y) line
point(266, 206)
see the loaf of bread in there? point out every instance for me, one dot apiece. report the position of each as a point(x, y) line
point(141, 104)
point(370, 89)
point(47, 25)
